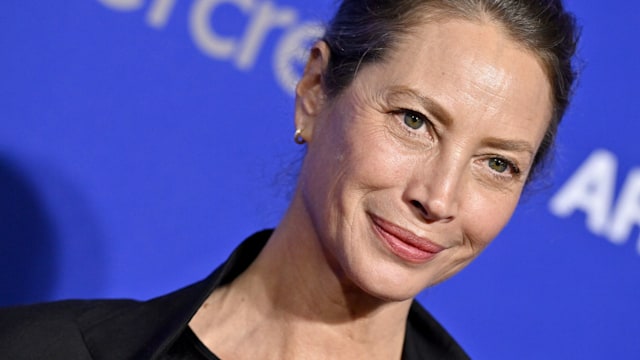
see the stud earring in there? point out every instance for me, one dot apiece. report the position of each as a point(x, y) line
point(297, 137)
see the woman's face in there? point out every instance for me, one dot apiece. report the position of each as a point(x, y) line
point(415, 167)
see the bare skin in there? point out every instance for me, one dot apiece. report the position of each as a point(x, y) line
point(319, 320)
point(437, 140)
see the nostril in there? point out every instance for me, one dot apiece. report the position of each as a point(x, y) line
point(418, 205)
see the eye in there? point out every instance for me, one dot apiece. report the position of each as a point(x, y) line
point(501, 165)
point(412, 128)
point(413, 120)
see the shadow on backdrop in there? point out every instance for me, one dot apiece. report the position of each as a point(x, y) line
point(27, 240)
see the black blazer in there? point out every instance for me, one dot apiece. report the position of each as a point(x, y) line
point(129, 329)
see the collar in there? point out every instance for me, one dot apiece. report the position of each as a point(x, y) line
point(115, 330)
point(145, 330)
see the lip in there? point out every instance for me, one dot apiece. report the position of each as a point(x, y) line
point(403, 243)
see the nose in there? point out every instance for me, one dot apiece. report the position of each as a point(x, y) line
point(434, 190)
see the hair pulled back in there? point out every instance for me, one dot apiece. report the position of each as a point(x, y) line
point(364, 31)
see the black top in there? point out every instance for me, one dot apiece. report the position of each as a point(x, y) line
point(189, 347)
point(158, 328)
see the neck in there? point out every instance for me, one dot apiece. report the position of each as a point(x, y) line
point(293, 295)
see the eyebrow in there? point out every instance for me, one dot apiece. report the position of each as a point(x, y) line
point(509, 145)
point(445, 117)
point(427, 103)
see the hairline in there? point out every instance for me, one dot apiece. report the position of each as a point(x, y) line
point(440, 12)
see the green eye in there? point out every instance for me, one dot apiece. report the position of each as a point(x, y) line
point(413, 120)
point(498, 165)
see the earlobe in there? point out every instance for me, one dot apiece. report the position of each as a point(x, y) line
point(310, 94)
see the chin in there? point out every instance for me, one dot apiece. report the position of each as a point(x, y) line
point(397, 293)
point(389, 282)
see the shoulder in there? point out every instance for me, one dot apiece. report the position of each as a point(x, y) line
point(51, 328)
point(114, 329)
point(426, 336)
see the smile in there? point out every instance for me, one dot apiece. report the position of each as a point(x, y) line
point(403, 243)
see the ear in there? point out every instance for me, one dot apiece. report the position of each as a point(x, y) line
point(310, 94)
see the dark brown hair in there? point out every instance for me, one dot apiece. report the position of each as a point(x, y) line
point(364, 31)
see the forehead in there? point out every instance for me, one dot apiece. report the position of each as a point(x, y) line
point(471, 63)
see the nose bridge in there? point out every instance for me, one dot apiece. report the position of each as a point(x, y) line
point(441, 179)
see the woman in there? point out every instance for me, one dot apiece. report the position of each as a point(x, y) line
point(423, 121)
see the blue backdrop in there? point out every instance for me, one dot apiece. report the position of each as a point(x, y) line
point(140, 141)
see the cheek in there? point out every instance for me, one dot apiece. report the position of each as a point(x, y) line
point(332, 172)
point(376, 164)
point(487, 213)
point(364, 153)
point(360, 130)
point(350, 157)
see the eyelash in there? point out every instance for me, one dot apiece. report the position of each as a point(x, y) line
point(515, 169)
point(403, 112)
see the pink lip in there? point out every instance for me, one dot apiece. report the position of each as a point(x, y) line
point(405, 244)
